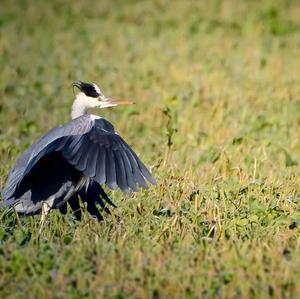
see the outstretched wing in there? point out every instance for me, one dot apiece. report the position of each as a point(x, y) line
point(91, 146)
point(46, 144)
point(101, 154)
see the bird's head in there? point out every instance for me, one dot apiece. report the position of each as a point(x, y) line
point(92, 96)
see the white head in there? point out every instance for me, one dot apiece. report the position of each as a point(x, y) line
point(90, 96)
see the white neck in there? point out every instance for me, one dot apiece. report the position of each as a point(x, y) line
point(81, 105)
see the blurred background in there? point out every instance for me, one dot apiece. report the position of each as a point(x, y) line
point(217, 92)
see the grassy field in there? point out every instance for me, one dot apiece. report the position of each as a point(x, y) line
point(217, 92)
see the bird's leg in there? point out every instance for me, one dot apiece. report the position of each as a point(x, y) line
point(45, 211)
point(18, 219)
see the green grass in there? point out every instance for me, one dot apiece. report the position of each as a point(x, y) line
point(217, 92)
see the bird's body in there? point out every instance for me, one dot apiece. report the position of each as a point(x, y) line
point(73, 160)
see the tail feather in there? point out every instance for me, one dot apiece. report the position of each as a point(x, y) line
point(93, 194)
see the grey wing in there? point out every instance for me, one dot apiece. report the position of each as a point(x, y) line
point(92, 147)
point(101, 154)
point(52, 141)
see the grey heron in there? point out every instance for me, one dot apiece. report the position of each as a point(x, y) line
point(73, 160)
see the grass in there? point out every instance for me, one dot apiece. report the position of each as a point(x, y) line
point(217, 92)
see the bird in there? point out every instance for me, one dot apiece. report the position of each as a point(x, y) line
point(74, 161)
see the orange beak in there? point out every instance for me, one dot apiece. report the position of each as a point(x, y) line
point(116, 102)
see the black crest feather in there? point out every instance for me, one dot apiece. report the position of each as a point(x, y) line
point(87, 88)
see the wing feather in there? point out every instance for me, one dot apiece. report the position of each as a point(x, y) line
point(129, 172)
point(82, 162)
point(91, 167)
point(83, 149)
point(143, 168)
point(111, 180)
point(101, 167)
point(72, 147)
point(136, 172)
point(92, 147)
point(121, 172)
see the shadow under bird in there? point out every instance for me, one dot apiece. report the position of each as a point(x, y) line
point(73, 160)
